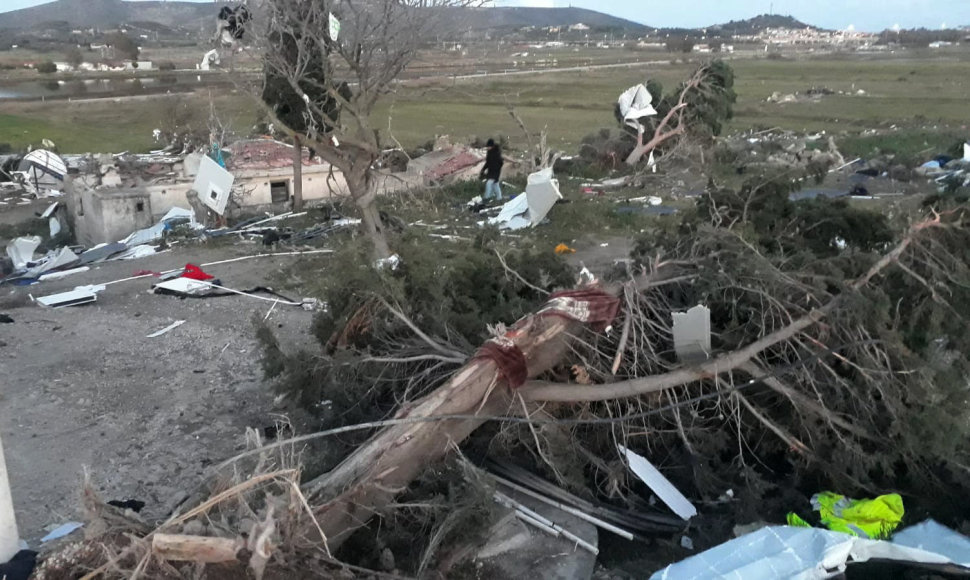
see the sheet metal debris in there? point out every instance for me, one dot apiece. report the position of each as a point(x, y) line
point(184, 286)
point(80, 295)
point(50, 210)
point(530, 208)
point(812, 553)
point(55, 259)
point(635, 104)
point(44, 162)
point(659, 484)
point(935, 537)
point(213, 184)
point(174, 217)
point(62, 273)
point(101, 253)
point(21, 251)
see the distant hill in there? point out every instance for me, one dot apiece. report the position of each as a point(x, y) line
point(511, 18)
point(758, 24)
point(106, 14)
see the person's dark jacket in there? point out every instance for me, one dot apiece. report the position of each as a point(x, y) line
point(493, 164)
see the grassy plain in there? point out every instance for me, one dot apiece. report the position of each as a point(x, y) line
point(919, 93)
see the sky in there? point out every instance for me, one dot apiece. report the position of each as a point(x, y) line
point(873, 15)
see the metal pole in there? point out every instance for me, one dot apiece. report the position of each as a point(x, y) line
point(9, 537)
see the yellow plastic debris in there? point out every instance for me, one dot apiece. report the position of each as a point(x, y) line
point(564, 249)
point(874, 519)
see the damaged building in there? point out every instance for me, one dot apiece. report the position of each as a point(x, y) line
point(110, 194)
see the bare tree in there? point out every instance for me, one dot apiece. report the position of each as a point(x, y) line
point(338, 79)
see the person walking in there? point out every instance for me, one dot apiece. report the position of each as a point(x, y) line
point(492, 171)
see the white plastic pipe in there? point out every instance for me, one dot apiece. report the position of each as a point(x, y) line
point(9, 537)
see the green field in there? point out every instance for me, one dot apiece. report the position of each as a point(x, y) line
point(923, 92)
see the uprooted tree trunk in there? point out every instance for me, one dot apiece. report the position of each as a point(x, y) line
point(297, 173)
point(367, 480)
point(370, 215)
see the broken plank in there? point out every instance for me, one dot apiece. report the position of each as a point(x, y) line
point(203, 549)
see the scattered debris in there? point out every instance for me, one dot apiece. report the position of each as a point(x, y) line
point(623, 523)
point(101, 252)
point(530, 208)
point(932, 536)
point(546, 525)
point(61, 531)
point(21, 251)
point(174, 217)
point(201, 549)
point(80, 295)
point(50, 210)
point(392, 262)
point(128, 504)
point(615, 183)
point(213, 183)
point(650, 200)
point(692, 334)
point(635, 104)
point(660, 485)
point(181, 287)
point(168, 328)
point(62, 273)
point(43, 171)
point(788, 552)
point(867, 518)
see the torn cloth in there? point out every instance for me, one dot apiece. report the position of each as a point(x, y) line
point(590, 306)
point(508, 357)
point(193, 272)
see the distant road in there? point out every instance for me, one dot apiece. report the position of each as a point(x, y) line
point(517, 72)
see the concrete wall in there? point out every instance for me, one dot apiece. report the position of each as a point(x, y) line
point(318, 187)
point(318, 184)
point(165, 196)
point(109, 216)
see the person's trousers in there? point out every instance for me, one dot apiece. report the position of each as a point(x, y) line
point(492, 188)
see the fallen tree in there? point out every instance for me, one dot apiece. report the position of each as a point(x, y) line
point(827, 362)
point(366, 481)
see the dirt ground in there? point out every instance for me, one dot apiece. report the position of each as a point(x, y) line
point(83, 388)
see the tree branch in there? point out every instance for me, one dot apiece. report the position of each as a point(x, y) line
point(545, 391)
